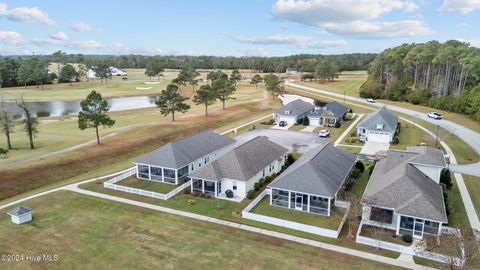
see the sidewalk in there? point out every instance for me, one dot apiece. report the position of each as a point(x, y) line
point(347, 131)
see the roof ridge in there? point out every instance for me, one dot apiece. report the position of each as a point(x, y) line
point(191, 135)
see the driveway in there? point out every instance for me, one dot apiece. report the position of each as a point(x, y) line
point(293, 140)
point(281, 128)
point(309, 129)
point(371, 148)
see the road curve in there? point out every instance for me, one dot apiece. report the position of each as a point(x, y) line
point(470, 137)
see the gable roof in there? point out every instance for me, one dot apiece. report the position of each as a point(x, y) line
point(396, 183)
point(20, 210)
point(296, 107)
point(337, 109)
point(321, 171)
point(243, 162)
point(184, 151)
point(380, 117)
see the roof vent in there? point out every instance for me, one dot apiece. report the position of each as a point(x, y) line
point(287, 112)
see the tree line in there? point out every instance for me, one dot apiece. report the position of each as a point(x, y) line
point(325, 70)
point(439, 75)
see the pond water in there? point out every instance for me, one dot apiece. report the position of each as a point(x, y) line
point(65, 108)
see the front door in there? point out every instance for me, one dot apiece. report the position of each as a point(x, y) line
point(298, 201)
point(418, 228)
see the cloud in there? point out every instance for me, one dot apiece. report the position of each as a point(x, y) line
point(60, 36)
point(459, 6)
point(26, 14)
point(83, 27)
point(11, 38)
point(339, 17)
point(316, 44)
point(86, 45)
point(472, 42)
point(273, 39)
point(254, 51)
point(379, 30)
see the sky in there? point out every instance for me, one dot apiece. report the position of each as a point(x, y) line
point(231, 27)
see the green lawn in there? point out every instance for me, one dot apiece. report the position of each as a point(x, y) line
point(93, 233)
point(147, 185)
point(361, 184)
point(336, 132)
point(382, 235)
point(227, 210)
point(297, 127)
point(354, 150)
point(349, 82)
point(473, 186)
point(332, 222)
point(411, 135)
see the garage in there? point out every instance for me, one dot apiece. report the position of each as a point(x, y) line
point(314, 121)
point(289, 119)
point(376, 136)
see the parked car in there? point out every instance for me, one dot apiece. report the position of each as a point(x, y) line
point(282, 124)
point(324, 133)
point(435, 115)
point(370, 100)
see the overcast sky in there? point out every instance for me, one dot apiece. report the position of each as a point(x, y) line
point(227, 27)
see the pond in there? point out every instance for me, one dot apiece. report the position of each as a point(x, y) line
point(65, 108)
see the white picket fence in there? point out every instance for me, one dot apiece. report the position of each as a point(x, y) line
point(412, 250)
point(290, 224)
point(110, 184)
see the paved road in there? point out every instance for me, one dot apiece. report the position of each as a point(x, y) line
point(469, 136)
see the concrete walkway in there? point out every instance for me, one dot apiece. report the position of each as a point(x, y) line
point(371, 148)
point(347, 131)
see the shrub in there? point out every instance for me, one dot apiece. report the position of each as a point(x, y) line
point(290, 159)
point(337, 124)
point(250, 194)
point(268, 179)
point(196, 194)
point(370, 169)
point(3, 151)
point(446, 178)
point(187, 191)
point(262, 181)
point(348, 116)
point(359, 165)
point(305, 121)
point(353, 133)
point(191, 202)
point(256, 186)
point(355, 173)
point(274, 175)
point(396, 140)
point(407, 238)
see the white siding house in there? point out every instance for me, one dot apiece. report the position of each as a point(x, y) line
point(379, 126)
point(293, 112)
point(234, 174)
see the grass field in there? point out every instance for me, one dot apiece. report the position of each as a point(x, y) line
point(348, 83)
point(128, 237)
point(411, 135)
point(225, 210)
point(473, 186)
point(332, 222)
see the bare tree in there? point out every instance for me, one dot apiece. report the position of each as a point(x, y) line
point(6, 123)
point(30, 121)
point(354, 213)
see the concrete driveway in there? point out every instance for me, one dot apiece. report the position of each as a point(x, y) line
point(281, 128)
point(371, 148)
point(293, 140)
point(309, 129)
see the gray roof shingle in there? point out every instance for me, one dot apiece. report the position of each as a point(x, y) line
point(20, 210)
point(396, 183)
point(296, 107)
point(184, 151)
point(382, 116)
point(243, 162)
point(337, 109)
point(321, 171)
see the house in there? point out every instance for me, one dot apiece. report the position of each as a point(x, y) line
point(329, 115)
point(237, 171)
point(379, 126)
point(404, 195)
point(312, 183)
point(291, 70)
point(20, 214)
point(91, 74)
point(293, 112)
point(113, 71)
point(178, 159)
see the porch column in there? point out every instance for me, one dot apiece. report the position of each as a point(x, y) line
point(216, 184)
point(439, 228)
point(328, 211)
point(149, 173)
point(289, 199)
point(398, 224)
point(176, 177)
point(163, 174)
point(271, 192)
point(191, 185)
point(308, 203)
point(203, 186)
point(137, 170)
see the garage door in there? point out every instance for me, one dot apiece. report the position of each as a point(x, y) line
point(374, 136)
point(290, 120)
point(314, 121)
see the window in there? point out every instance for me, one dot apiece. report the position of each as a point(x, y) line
point(192, 168)
point(319, 205)
point(206, 160)
point(199, 164)
point(182, 172)
point(234, 183)
point(169, 175)
point(381, 215)
point(263, 174)
point(280, 198)
point(143, 172)
point(156, 173)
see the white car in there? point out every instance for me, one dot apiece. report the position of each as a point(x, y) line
point(370, 100)
point(435, 115)
point(324, 133)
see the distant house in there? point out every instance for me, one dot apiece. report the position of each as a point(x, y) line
point(292, 70)
point(20, 214)
point(113, 70)
point(293, 112)
point(329, 115)
point(237, 171)
point(404, 194)
point(312, 183)
point(178, 159)
point(379, 126)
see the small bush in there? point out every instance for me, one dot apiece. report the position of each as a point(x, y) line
point(187, 191)
point(262, 181)
point(337, 124)
point(370, 169)
point(305, 121)
point(396, 140)
point(191, 202)
point(268, 179)
point(359, 165)
point(256, 186)
point(250, 194)
point(348, 116)
point(407, 238)
point(446, 178)
point(353, 133)
point(274, 175)
point(355, 173)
